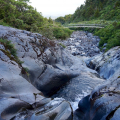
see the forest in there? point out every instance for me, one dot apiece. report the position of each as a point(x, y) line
point(98, 9)
point(105, 12)
point(94, 9)
point(19, 14)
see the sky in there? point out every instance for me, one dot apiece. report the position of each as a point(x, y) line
point(56, 8)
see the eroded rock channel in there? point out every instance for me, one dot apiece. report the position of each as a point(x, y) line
point(83, 46)
point(45, 79)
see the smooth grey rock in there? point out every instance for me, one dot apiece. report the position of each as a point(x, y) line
point(116, 115)
point(2, 47)
point(82, 43)
point(103, 50)
point(97, 50)
point(19, 99)
point(97, 44)
point(49, 67)
point(94, 40)
point(107, 64)
point(37, 52)
point(103, 103)
point(59, 111)
point(89, 34)
point(105, 44)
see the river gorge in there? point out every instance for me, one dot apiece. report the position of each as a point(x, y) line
point(58, 79)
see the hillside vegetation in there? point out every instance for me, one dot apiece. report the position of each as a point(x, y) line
point(110, 35)
point(97, 9)
point(19, 14)
point(64, 20)
point(94, 9)
point(102, 12)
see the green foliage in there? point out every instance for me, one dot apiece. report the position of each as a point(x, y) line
point(103, 12)
point(47, 30)
point(17, 23)
point(96, 13)
point(63, 20)
point(18, 14)
point(95, 9)
point(110, 35)
point(10, 50)
point(3, 23)
point(62, 45)
point(50, 20)
point(61, 33)
point(34, 28)
point(94, 21)
point(25, 71)
point(9, 46)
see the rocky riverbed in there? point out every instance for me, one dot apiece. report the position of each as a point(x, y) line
point(83, 44)
point(66, 71)
point(103, 102)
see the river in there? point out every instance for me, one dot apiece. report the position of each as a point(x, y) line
point(83, 45)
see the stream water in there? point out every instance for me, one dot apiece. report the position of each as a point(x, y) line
point(79, 87)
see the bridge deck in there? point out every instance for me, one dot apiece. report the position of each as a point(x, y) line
point(84, 27)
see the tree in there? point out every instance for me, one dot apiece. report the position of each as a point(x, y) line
point(96, 14)
point(50, 20)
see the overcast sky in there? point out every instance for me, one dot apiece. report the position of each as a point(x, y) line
point(56, 8)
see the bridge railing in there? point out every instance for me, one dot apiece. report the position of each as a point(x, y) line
point(85, 25)
point(101, 25)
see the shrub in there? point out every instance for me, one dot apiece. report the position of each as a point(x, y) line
point(19, 14)
point(34, 28)
point(10, 50)
point(47, 31)
point(8, 45)
point(61, 33)
point(3, 23)
point(110, 35)
point(25, 71)
point(18, 23)
point(62, 45)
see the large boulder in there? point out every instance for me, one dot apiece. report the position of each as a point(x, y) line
point(104, 101)
point(107, 64)
point(20, 100)
point(46, 63)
